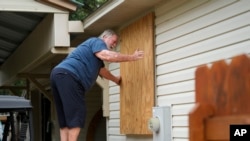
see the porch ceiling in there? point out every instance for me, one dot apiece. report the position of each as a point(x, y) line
point(14, 28)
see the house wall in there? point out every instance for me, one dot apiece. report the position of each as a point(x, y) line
point(188, 33)
point(93, 103)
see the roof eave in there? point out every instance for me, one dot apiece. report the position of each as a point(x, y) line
point(60, 3)
point(28, 6)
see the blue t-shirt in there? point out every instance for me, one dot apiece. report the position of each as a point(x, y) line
point(83, 63)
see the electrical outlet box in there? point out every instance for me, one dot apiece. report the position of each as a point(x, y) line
point(160, 124)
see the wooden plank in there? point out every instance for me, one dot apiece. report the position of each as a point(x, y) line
point(196, 121)
point(237, 85)
point(226, 90)
point(217, 128)
point(201, 84)
point(216, 82)
point(137, 87)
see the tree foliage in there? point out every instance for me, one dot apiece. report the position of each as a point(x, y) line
point(88, 7)
point(18, 92)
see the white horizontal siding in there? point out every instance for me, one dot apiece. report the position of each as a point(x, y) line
point(113, 129)
point(114, 106)
point(173, 10)
point(186, 97)
point(177, 76)
point(114, 115)
point(208, 57)
point(114, 123)
point(180, 121)
point(180, 139)
point(114, 90)
point(114, 66)
point(180, 113)
point(207, 22)
point(175, 88)
point(190, 34)
point(167, 7)
point(201, 21)
point(114, 98)
point(198, 42)
point(117, 138)
point(180, 132)
point(182, 109)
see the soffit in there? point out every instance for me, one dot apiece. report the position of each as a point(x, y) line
point(18, 18)
point(124, 12)
point(14, 28)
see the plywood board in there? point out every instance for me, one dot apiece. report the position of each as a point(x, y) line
point(137, 87)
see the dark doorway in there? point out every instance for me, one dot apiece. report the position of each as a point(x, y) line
point(46, 122)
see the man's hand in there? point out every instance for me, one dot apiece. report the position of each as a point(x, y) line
point(138, 54)
point(118, 80)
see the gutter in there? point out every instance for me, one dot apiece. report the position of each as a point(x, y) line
point(77, 3)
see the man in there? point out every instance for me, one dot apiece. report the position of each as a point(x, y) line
point(77, 73)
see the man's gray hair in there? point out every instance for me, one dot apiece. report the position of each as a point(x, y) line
point(107, 32)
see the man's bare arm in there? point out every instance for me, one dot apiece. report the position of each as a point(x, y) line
point(112, 56)
point(107, 75)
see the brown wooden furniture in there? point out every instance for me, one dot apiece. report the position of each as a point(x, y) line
point(222, 98)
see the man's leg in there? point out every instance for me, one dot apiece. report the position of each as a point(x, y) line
point(64, 132)
point(73, 133)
